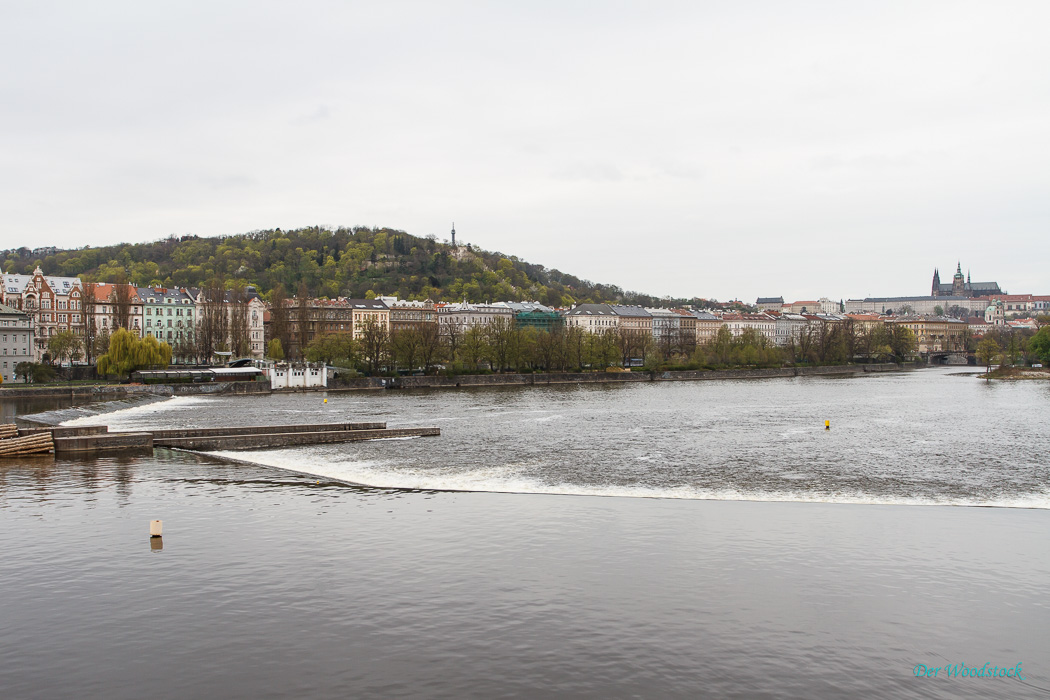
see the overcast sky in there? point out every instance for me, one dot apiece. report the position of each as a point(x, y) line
point(727, 150)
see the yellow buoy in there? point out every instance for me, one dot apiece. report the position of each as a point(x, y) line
point(326, 400)
point(827, 425)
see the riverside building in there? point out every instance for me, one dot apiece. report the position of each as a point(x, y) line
point(16, 341)
point(52, 303)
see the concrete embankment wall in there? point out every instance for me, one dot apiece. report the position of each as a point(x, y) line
point(107, 392)
point(104, 392)
point(474, 380)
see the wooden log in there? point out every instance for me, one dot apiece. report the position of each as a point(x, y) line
point(8, 430)
point(16, 443)
point(37, 436)
point(13, 447)
point(26, 446)
point(28, 451)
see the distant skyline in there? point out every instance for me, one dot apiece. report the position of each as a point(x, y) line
point(680, 148)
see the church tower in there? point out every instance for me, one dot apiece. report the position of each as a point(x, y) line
point(936, 283)
point(958, 283)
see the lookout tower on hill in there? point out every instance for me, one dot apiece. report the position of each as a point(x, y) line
point(453, 233)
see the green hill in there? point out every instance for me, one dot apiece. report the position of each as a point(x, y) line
point(342, 262)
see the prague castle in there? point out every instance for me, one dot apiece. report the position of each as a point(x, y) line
point(962, 286)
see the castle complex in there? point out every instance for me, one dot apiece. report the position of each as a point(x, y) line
point(962, 287)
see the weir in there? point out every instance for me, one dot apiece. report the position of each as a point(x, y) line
point(72, 440)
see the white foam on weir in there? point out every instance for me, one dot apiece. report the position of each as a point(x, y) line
point(120, 419)
point(515, 479)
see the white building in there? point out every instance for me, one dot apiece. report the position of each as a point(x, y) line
point(995, 314)
point(923, 306)
point(592, 318)
point(788, 327)
point(284, 375)
point(465, 316)
point(763, 324)
point(666, 325)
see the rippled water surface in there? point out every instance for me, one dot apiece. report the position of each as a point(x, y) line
point(293, 582)
point(935, 436)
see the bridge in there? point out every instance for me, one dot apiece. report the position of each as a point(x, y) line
point(944, 357)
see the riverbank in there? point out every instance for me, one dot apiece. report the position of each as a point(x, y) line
point(105, 392)
point(1018, 373)
point(546, 379)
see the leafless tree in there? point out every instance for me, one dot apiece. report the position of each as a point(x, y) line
point(213, 326)
point(498, 334)
point(88, 303)
point(453, 338)
point(429, 345)
point(474, 347)
point(279, 316)
point(121, 299)
point(405, 345)
point(374, 343)
point(575, 346)
point(302, 318)
point(240, 341)
point(549, 347)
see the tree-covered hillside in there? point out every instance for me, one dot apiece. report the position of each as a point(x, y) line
point(342, 262)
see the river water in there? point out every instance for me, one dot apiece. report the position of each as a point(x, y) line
point(737, 548)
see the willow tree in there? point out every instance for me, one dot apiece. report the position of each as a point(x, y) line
point(127, 353)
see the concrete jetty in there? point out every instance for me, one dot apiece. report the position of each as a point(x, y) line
point(277, 439)
point(73, 440)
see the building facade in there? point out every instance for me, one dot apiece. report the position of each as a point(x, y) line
point(592, 318)
point(770, 303)
point(633, 319)
point(923, 306)
point(169, 315)
point(763, 324)
point(936, 333)
point(52, 303)
point(405, 314)
point(114, 306)
point(16, 341)
point(459, 318)
point(707, 327)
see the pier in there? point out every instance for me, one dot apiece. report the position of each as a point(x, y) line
point(88, 439)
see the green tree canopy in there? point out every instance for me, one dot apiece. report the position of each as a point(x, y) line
point(127, 353)
point(1039, 345)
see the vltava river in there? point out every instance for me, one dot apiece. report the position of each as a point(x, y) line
point(740, 551)
point(935, 436)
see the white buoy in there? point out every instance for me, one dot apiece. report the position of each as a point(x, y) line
point(155, 527)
